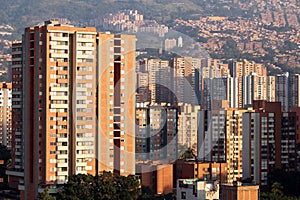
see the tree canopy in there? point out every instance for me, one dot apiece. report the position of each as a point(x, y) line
point(104, 186)
point(188, 154)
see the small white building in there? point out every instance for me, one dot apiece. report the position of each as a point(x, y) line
point(180, 42)
point(197, 189)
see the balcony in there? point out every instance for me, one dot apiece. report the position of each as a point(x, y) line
point(14, 173)
point(55, 38)
point(62, 148)
point(62, 164)
point(62, 156)
point(16, 59)
point(59, 47)
point(59, 89)
point(85, 56)
point(59, 55)
point(59, 106)
point(59, 139)
point(83, 39)
point(85, 48)
point(62, 173)
point(59, 97)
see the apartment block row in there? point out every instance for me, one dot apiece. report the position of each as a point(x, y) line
point(201, 81)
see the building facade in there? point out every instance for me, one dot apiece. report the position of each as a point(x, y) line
point(156, 132)
point(269, 141)
point(116, 103)
point(188, 127)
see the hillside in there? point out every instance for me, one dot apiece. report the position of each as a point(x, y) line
point(23, 13)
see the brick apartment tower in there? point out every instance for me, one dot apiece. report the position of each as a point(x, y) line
point(58, 108)
point(16, 174)
point(6, 114)
point(55, 129)
point(116, 103)
point(269, 141)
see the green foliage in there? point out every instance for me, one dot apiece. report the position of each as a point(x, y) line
point(147, 194)
point(4, 77)
point(277, 193)
point(45, 196)
point(230, 50)
point(290, 182)
point(188, 154)
point(277, 189)
point(105, 186)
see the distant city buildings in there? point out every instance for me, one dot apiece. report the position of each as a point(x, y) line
point(170, 44)
point(132, 21)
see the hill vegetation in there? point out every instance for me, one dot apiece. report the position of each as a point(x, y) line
point(20, 13)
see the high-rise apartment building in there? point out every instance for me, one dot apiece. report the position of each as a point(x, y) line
point(188, 127)
point(161, 81)
point(254, 88)
point(234, 144)
point(218, 89)
point(232, 92)
point(239, 69)
point(220, 138)
point(58, 106)
point(282, 90)
point(143, 91)
point(60, 126)
point(212, 133)
point(287, 90)
point(16, 174)
point(215, 89)
point(271, 88)
point(294, 91)
point(6, 114)
point(156, 132)
point(269, 141)
point(187, 71)
point(170, 44)
point(214, 68)
point(116, 103)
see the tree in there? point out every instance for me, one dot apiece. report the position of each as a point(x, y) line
point(147, 194)
point(277, 189)
point(103, 186)
point(276, 193)
point(45, 195)
point(79, 187)
point(188, 154)
point(4, 77)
